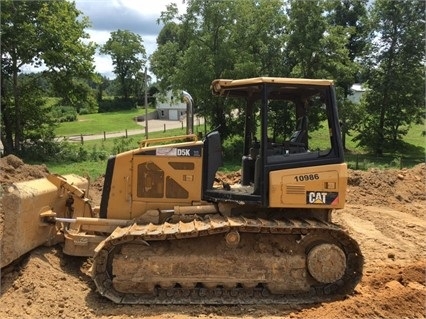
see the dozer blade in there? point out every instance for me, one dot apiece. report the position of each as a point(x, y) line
point(23, 204)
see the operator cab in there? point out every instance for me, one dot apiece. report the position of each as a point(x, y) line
point(289, 123)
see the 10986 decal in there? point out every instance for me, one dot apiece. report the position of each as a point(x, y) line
point(306, 177)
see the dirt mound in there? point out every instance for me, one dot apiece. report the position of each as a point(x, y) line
point(395, 292)
point(385, 214)
point(229, 178)
point(53, 285)
point(13, 169)
point(399, 189)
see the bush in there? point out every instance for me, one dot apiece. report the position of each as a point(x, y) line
point(116, 105)
point(122, 144)
point(65, 151)
point(98, 155)
point(84, 111)
point(233, 148)
point(71, 152)
point(64, 113)
point(40, 150)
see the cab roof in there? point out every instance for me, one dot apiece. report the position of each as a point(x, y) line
point(244, 87)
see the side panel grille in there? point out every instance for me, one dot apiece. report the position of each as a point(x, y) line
point(295, 189)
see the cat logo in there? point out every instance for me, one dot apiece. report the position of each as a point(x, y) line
point(316, 197)
point(324, 198)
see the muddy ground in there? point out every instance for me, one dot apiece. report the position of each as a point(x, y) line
point(385, 213)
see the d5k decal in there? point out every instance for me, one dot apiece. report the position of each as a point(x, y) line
point(327, 198)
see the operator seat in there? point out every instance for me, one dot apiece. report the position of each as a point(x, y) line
point(299, 136)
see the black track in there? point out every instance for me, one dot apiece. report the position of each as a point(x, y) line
point(141, 234)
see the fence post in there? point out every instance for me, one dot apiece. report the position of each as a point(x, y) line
point(81, 139)
point(126, 132)
point(400, 162)
point(104, 136)
point(357, 161)
point(164, 130)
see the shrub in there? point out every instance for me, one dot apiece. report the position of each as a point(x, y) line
point(98, 155)
point(39, 150)
point(122, 144)
point(64, 113)
point(232, 149)
point(116, 105)
point(84, 111)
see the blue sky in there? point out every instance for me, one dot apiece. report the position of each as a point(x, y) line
point(137, 16)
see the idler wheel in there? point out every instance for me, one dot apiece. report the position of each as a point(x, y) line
point(232, 238)
point(326, 263)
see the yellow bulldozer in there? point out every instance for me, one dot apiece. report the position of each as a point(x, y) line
point(169, 231)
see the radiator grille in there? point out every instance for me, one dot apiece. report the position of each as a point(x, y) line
point(295, 189)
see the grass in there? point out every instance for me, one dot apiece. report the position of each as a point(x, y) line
point(417, 135)
point(88, 169)
point(101, 122)
point(367, 161)
point(412, 150)
point(109, 143)
point(94, 169)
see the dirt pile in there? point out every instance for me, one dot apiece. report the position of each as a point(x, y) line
point(13, 169)
point(400, 189)
point(385, 214)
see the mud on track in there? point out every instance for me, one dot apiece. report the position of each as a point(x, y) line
point(385, 214)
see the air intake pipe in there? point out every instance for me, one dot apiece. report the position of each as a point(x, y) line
point(189, 112)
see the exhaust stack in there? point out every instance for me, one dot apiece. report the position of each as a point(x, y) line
point(189, 112)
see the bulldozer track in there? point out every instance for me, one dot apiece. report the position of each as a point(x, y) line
point(217, 224)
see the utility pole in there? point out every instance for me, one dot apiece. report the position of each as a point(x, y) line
point(146, 104)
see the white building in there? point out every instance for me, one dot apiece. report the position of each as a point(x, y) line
point(357, 91)
point(170, 106)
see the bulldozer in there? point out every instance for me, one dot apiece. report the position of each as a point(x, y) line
point(168, 230)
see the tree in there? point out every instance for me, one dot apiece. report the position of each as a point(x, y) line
point(315, 48)
point(307, 28)
point(260, 30)
point(351, 15)
point(171, 43)
point(214, 39)
point(257, 37)
point(35, 34)
point(194, 52)
point(395, 76)
point(128, 57)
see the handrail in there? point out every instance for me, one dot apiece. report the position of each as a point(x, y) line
point(147, 142)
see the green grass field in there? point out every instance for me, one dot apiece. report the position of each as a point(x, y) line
point(101, 122)
point(96, 168)
point(412, 153)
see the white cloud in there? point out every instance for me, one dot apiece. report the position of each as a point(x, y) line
point(104, 65)
point(137, 16)
point(100, 37)
point(148, 8)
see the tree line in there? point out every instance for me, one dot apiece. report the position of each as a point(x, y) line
point(377, 43)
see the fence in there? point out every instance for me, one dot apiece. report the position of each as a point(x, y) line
point(364, 161)
point(154, 126)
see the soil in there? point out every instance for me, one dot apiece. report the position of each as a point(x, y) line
point(385, 213)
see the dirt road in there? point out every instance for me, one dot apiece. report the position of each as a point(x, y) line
point(385, 214)
point(154, 125)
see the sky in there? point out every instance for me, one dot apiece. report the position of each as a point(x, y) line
point(137, 16)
